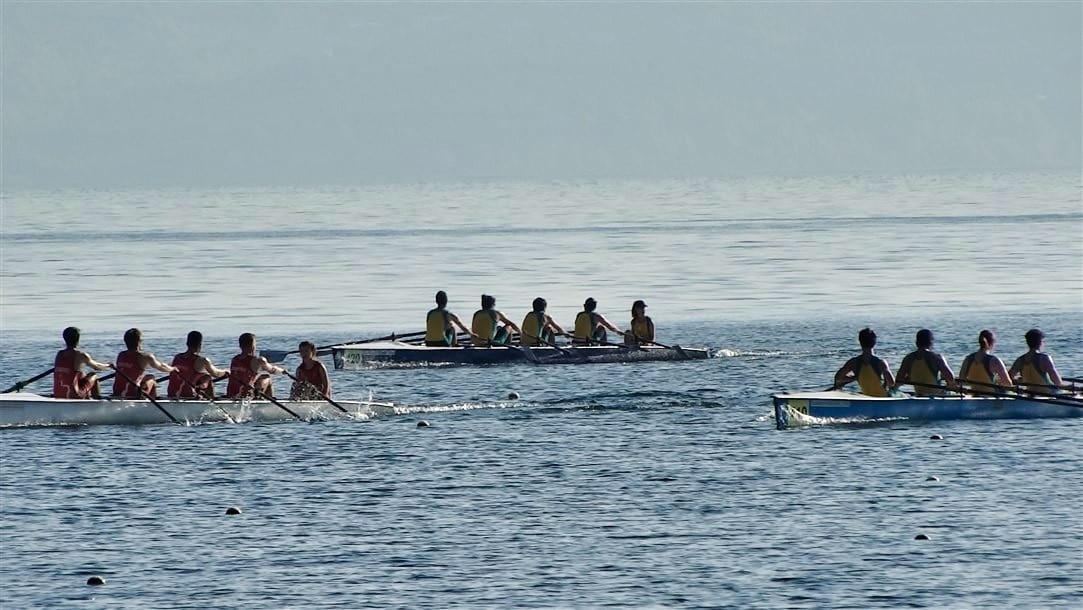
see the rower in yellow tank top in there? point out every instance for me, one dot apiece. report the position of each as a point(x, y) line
point(590, 326)
point(538, 327)
point(1035, 369)
point(871, 372)
point(982, 369)
point(486, 324)
point(439, 331)
point(925, 369)
point(641, 326)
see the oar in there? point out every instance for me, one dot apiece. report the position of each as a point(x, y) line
point(272, 400)
point(567, 352)
point(147, 396)
point(206, 395)
point(22, 384)
point(1023, 390)
point(275, 356)
point(323, 396)
point(1014, 392)
point(676, 348)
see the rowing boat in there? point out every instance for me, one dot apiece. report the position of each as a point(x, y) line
point(27, 409)
point(809, 408)
point(398, 353)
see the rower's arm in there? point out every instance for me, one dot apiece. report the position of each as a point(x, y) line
point(1016, 370)
point(608, 324)
point(203, 365)
point(158, 364)
point(264, 365)
point(845, 374)
point(94, 364)
point(889, 379)
point(1054, 376)
point(557, 328)
point(454, 319)
point(945, 371)
point(650, 330)
point(509, 323)
point(1002, 375)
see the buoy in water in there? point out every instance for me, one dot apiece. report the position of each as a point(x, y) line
point(513, 395)
point(233, 510)
point(936, 437)
point(931, 478)
point(422, 424)
point(95, 581)
point(921, 537)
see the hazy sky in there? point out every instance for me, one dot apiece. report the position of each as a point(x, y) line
point(186, 94)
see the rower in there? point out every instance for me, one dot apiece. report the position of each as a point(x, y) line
point(486, 324)
point(870, 371)
point(924, 367)
point(245, 371)
point(69, 381)
point(641, 326)
point(539, 328)
point(439, 331)
point(590, 326)
point(1035, 369)
point(193, 367)
point(982, 367)
point(131, 363)
point(312, 381)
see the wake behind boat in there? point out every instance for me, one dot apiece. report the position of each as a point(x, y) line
point(402, 354)
point(810, 408)
point(28, 409)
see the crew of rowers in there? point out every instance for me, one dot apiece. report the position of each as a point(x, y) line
point(191, 374)
point(928, 372)
point(489, 326)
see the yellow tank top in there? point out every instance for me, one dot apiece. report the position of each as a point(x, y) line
point(584, 326)
point(532, 329)
point(870, 381)
point(436, 325)
point(921, 372)
point(976, 368)
point(640, 329)
point(1031, 374)
point(484, 325)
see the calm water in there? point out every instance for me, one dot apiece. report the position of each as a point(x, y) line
point(649, 485)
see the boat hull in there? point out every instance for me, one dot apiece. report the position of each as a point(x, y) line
point(26, 409)
point(395, 353)
point(805, 408)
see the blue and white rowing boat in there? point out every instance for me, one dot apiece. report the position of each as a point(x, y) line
point(27, 409)
point(399, 354)
point(811, 408)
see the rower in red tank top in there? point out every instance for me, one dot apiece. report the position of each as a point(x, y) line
point(311, 381)
point(245, 371)
point(68, 378)
point(131, 363)
point(194, 375)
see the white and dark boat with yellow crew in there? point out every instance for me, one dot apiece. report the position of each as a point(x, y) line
point(20, 409)
point(400, 354)
point(799, 409)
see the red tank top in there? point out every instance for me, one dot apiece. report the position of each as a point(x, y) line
point(178, 387)
point(241, 376)
point(64, 374)
point(312, 375)
point(128, 364)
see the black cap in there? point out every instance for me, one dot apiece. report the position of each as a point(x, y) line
point(639, 304)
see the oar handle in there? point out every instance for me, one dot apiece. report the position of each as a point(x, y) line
point(22, 384)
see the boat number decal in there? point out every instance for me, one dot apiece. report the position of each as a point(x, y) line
point(352, 357)
point(801, 406)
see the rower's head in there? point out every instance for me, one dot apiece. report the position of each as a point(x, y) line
point(590, 304)
point(441, 299)
point(132, 338)
point(924, 339)
point(540, 304)
point(247, 342)
point(194, 341)
point(639, 308)
point(307, 349)
point(1034, 338)
point(488, 301)
point(867, 338)
point(71, 337)
point(986, 339)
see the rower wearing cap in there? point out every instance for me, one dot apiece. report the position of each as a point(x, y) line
point(642, 327)
point(924, 367)
point(982, 367)
point(248, 370)
point(1035, 369)
point(539, 327)
point(69, 381)
point(590, 326)
point(130, 381)
point(870, 371)
point(439, 331)
point(486, 324)
point(193, 368)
